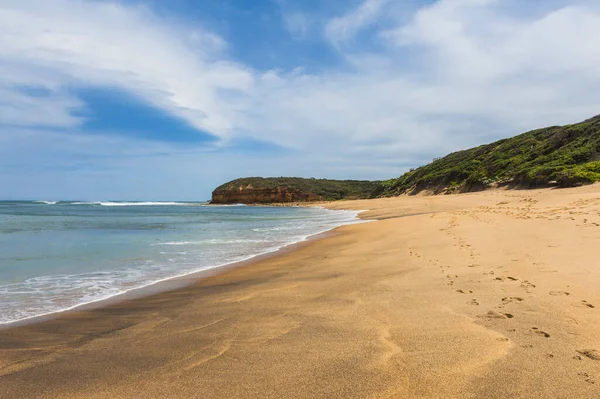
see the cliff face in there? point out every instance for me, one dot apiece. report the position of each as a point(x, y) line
point(266, 190)
point(252, 195)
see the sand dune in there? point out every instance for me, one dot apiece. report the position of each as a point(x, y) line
point(486, 295)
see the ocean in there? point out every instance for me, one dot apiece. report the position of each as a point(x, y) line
point(57, 255)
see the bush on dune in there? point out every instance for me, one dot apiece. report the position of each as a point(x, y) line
point(563, 155)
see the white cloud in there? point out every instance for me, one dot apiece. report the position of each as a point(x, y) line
point(84, 43)
point(341, 29)
point(516, 68)
point(457, 74)
point(53, 110)
point(477, 39)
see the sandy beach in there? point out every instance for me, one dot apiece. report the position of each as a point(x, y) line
point(485, 295)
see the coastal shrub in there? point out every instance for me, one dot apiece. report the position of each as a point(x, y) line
point(567, 154)
point(582, 174)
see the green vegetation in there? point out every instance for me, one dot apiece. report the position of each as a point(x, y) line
point(327, 189)
point(560, 155)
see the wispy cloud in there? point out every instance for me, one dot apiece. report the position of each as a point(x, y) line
point(179, 68)
point(341, 29)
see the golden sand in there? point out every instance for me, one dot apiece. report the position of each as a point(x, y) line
point(486, 295)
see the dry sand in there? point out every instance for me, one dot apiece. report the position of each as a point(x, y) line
point(486, 295)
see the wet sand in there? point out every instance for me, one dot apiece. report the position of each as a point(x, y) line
point(485, 295)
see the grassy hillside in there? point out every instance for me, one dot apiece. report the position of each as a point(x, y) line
point(327, 189)
point(562, 155)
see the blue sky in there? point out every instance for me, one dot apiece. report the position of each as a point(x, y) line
point(164, 100)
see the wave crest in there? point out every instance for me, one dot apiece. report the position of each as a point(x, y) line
point(141, 203)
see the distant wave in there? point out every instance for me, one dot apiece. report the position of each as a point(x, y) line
point(148, 203)
point(280, 228)
point(111, 203)
point(212, 241)
point(129, 203)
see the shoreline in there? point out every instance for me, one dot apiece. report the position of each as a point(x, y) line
point(490, 294)
point(179, 281)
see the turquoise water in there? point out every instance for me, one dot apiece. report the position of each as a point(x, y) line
point(57, 255)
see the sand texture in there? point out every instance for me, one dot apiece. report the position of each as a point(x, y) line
point(485, 295)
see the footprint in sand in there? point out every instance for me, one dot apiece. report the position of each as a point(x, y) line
point(495, 315)
point(590, 353)
point(464, 292)
point(527, 285)
point(540, 332)
point(584, 304)
point(559, 293)
point(589, 305)
point(586, 378)
point(512, 299)
point(473, 302)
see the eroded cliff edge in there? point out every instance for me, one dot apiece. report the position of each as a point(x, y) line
point(258, 190)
